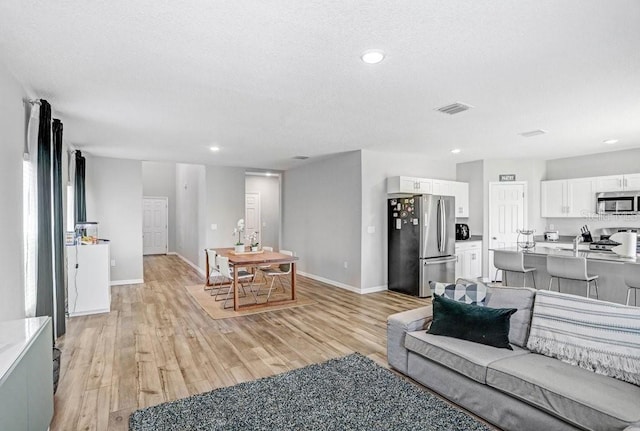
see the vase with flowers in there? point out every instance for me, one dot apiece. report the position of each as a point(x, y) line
point(239, 230)
point(253, 241)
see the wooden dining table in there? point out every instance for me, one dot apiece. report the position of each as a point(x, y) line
point(253, 260)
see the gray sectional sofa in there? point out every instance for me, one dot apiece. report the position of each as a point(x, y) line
point(512, 389)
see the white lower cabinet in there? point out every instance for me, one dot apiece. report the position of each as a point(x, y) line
point(469, 259)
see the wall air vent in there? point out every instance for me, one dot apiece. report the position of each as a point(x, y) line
point(532, 133)
point(454, 108)
point(301, 157)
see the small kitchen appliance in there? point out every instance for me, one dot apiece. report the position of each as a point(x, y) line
point(551, 235)
point(462, 231)
point(618, 202)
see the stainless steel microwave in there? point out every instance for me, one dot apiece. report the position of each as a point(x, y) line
point(618, 202)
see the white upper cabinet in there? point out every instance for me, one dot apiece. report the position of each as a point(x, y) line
point(553, 200)
point(568, 198)
point(618, 183)
point(581, 197)
point(443, 187)
point(632, 182)
point(409, 185)
point(429, 186)
point(611, 183)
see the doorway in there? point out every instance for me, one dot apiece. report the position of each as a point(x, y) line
point(266, 188)
point(154, 225)
point(252, 216)
point(507, 214)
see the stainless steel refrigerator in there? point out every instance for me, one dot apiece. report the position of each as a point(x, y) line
point(421, 243)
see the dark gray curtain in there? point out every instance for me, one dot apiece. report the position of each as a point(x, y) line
point(80, 197)
point(44, 292)
point(58, 231)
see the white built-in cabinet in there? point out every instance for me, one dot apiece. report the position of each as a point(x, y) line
point(429, 186)
point(576, 197)
point(618, 183)
point(469, 259)
point(409, 185)
point(568, 198)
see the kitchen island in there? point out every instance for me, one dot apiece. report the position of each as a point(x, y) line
point(607, 265)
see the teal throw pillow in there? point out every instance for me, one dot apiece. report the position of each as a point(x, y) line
point(484, 325)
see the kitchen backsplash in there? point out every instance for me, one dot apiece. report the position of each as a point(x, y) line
point(571, 226)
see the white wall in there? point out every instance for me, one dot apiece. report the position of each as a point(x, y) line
point(473, 173)
point(189, 209)
point(322, 217)
point(376, 167)
point(595, 165)
point(269, 190)
point(159, 180)
point(224, 205)
point(114, 199)
point(12, 127)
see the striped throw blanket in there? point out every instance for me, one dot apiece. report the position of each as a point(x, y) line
point(599, 336)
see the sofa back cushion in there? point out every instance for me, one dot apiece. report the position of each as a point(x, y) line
point(520, 298)
point(596, 335)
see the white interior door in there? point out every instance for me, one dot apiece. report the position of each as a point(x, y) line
point(252, 214)
point(507, 214)
point(154, 225)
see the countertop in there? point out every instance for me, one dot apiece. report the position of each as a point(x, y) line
point(562, 239)
point(590, 255)
point(471, 239)
point(15, 338)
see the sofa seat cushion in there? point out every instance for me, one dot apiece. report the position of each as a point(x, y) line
point(466, 357)
point(581, 397)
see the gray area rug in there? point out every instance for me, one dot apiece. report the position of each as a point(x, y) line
point(350, 393)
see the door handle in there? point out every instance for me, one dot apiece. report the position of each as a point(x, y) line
point(440, 261)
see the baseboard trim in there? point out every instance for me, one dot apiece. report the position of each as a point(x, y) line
point(172, 253)
point(331, 282)
point(191, 264)
point(123, 282)
point(374, 289)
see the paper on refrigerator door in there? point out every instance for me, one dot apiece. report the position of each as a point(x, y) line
point(398, 223)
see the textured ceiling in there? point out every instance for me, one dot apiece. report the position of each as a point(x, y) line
point(268, 80)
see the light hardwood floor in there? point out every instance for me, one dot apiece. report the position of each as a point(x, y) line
point(158, 345)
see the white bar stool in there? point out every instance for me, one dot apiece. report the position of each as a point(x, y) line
point(632, 280)
point(512, 261)
point(570, 268)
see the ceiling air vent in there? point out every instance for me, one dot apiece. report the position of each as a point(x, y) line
point(532, 133)
point(454, 108)
point(301, 157)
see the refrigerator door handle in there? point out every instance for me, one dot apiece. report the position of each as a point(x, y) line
point(443, 208)
point(439, 261)
point(439, 225)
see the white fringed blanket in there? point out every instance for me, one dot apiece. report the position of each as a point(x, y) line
point(599, 336)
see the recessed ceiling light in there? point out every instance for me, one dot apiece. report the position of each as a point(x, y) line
point(372, 56)
point(610, 141)
point(268, 174)
point(456, 150)
point(214, 149)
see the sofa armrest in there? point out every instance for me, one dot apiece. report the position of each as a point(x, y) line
point(397, 326)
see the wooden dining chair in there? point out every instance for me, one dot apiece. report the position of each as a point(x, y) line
point(283, 270)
